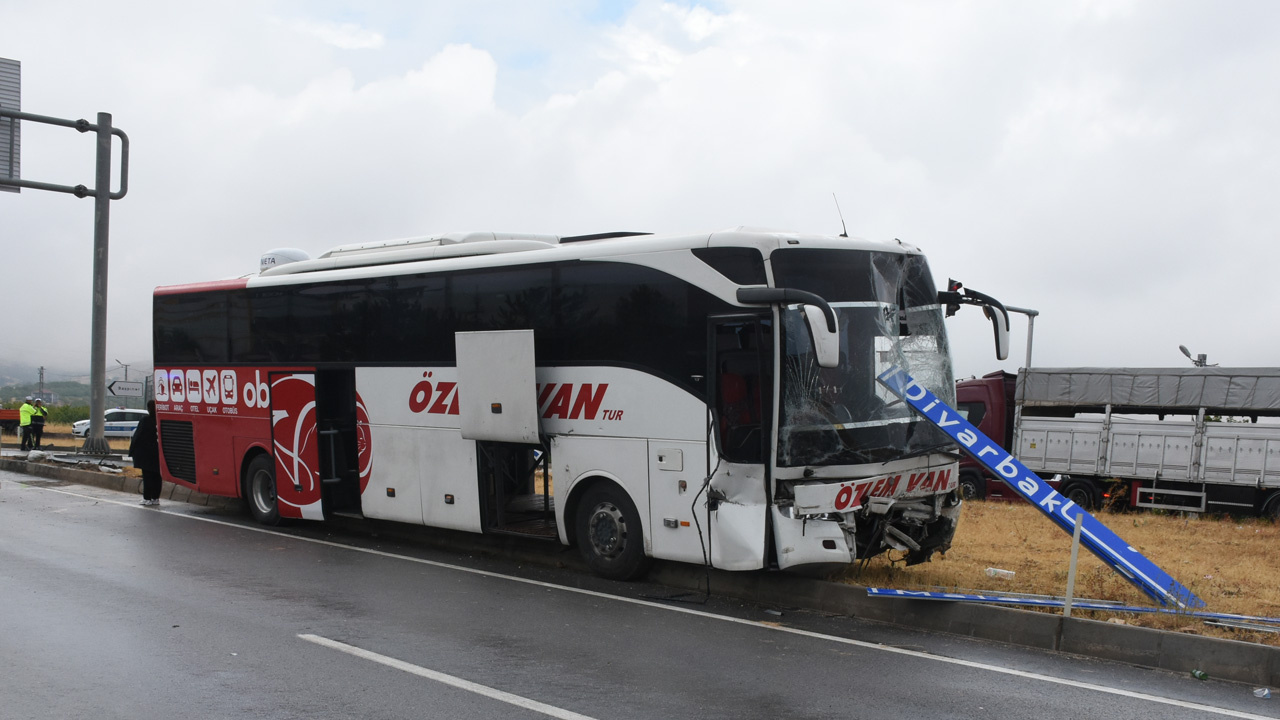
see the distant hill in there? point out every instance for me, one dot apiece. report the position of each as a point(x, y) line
point(62, 392)
point(18, 380)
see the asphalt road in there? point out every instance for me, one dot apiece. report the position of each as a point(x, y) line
point(110, 610)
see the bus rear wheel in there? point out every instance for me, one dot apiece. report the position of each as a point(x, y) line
point(609, 534)
point(260, 487)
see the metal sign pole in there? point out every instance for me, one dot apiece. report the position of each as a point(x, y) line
point(1071, 571)
point(95, 443)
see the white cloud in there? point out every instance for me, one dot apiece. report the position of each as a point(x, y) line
point(1113, 169)
point(698, 22)
point(347, 36)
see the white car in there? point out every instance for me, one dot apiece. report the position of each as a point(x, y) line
point(120, 423)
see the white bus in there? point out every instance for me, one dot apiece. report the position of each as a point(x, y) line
point(704, 398)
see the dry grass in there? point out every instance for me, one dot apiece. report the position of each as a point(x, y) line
point(1229, 562)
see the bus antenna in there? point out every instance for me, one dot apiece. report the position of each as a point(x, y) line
point(844, 231)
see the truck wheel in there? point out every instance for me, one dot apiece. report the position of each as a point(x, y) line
point(1082, 494)
point(260, 485)
point(1271, 508)
point(973, 486)
point(609, 534)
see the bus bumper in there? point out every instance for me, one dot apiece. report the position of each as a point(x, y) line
point(809, 542)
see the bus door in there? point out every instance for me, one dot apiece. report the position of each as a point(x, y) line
point(314, 439)
point(294, 443)
point(337, 432)
point(741, 376)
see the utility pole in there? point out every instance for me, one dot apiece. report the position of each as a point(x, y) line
point(126, 378)
point(41, 381)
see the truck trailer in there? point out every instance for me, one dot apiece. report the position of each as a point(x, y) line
point(1187, 439)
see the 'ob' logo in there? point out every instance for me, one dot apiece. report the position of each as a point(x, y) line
point(256, 393)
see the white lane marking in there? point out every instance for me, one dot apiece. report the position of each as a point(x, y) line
point(712, 616)
point(440, 677)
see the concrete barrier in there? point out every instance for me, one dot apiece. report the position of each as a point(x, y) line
point(1173, 651)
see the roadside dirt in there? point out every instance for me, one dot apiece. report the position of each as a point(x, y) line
point(1230, 562)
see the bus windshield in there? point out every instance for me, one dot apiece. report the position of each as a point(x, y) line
point(888, 315)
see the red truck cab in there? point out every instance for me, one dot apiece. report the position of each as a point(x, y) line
point(986, 402)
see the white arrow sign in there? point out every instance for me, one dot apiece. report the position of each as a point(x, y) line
point(121, 388)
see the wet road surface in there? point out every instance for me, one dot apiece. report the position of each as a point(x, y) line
point(110, 610)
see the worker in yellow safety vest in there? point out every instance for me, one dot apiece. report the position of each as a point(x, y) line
point(24, 422)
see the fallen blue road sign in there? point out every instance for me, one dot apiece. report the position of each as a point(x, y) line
point(1096, 537)
point(1077, 604)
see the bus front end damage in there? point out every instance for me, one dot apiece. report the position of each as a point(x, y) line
point(843, 521)
point(857, 472)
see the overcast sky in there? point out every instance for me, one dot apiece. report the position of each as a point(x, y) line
point(1113, 165)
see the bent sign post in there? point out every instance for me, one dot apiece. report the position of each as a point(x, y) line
point(1095, 536)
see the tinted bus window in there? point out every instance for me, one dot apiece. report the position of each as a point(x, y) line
point(583, 313)
point(744, 266)
point(191, 328)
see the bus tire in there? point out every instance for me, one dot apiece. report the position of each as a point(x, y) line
point(260, 490)
point(1082, 493)
point(609, 534)
point(973, 486)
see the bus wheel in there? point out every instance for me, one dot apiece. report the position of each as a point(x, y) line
point(609, 533)
point(261, 490)
point(1081, 494)
point(972, 486)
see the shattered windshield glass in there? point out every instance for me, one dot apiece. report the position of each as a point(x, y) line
point(888, 313)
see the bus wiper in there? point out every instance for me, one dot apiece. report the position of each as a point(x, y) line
point(926, 451)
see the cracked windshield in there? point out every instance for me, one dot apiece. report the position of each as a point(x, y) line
point(887, 310)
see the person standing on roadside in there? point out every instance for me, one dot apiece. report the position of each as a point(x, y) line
point(37, 423)
point(144, 448)
point(24, 422)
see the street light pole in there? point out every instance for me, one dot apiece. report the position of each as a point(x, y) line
point(1200, 360)
point(1031, 327)
point(1017, 408)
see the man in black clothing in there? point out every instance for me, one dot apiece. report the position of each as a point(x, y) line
point(37, 424)
point(145, 451)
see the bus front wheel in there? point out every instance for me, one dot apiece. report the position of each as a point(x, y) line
point(261, 490)
point(609, 533)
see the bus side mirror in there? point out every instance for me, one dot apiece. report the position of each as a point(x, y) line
point(826, 343)
point(956, 295)
point(818, 315)
point(1000, 321)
